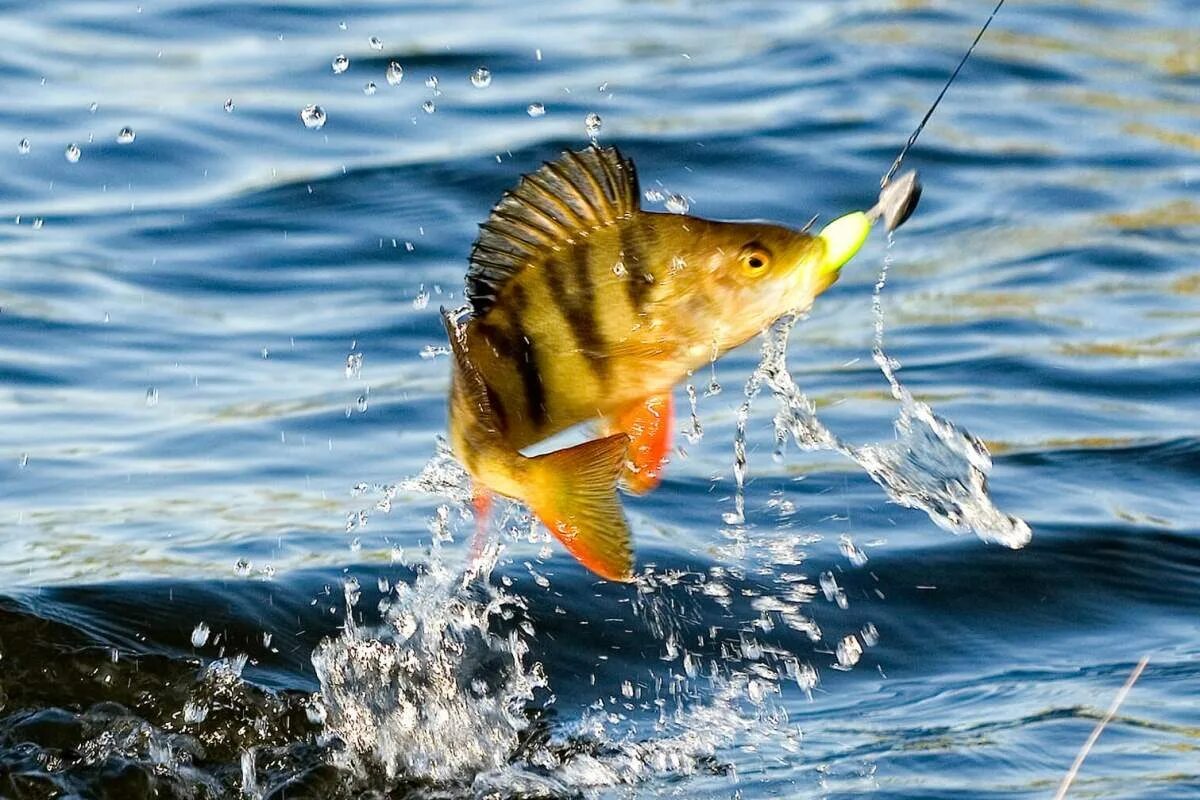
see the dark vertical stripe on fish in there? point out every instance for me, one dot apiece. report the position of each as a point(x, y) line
point(636, 265)
point(573, 293)
point(523, 353)
point(582, 311)
point(497, 405)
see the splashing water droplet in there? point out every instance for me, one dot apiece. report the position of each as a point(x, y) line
point(849, 651)
point(370, 88)
point(194, 712)
point(375, 42)
point(229, 105)
point(126, 136)
point(340, 64)
point(73, 153)
point(23, 146)
point(428, 107)
point(200, 634)
point(315, 710)
point(852, 551)
point(249, 777)
point(481, 78)
point(653, 196)
point(536, 110)
point(677, 204)
point(591, 124)
point(313, 117)
point(695, 431)
point(354, 363)
point(394, 74)
point(421, 301)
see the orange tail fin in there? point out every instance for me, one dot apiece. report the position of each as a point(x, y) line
point(574, 493)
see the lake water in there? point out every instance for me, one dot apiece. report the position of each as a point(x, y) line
point(218, 345)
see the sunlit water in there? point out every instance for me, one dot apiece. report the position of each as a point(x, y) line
point(239, 560)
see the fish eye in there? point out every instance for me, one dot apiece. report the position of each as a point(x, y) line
point(754, 258)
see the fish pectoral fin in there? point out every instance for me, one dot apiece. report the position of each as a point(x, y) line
point(648, 423)
point(574, 493)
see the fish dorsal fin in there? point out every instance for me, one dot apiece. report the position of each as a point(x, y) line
point(556, 205)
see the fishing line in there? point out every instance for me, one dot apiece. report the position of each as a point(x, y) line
point(913, 138)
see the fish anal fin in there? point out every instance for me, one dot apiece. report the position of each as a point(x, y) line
point(574, 493)
point(648, 424)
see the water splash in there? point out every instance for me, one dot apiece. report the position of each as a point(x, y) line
point(447, 689)
point(932, 465)
point(434, 693)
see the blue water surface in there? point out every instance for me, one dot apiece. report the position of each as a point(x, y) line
point(181, 436)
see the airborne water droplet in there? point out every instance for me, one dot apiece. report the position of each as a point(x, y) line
point(151, 397)
point(126, 136)
point(242, 568)
point(375, 42)
point(677, 204)
point(229, 105)
point(315, 710)
point(591, 123)
point(200, 634)
point(23, 146)
point(432, 83)
point(340, 64)
point(354, 363)
point(849, 651)
point(536, 110)
point(422, 299)
point(194, 712)
point(428, 107)
point(481, 78)
point(313, 117)
point(73, 153)
point(369, 89)
point(395, 73)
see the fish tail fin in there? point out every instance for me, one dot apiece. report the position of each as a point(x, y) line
point(574, 493)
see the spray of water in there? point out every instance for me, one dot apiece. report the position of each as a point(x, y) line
point(446, 689)
point(932, 465)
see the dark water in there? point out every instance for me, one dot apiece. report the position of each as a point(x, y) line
point(181, 441)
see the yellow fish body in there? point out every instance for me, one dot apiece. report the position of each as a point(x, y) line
point(585, 308)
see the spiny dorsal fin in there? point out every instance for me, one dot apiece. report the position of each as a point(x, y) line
point(564, 200)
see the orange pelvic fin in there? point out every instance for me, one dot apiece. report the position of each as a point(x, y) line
point(481, 502)
point(648, 423)
point(574, 493)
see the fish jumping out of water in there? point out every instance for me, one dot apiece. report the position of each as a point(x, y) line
point(585, 308)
